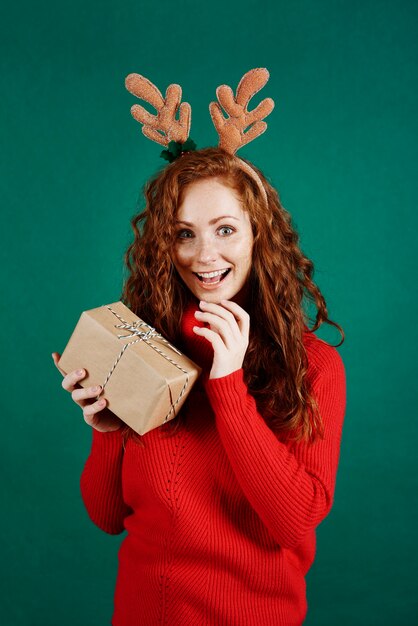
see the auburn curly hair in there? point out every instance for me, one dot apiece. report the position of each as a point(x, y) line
point(280, 284)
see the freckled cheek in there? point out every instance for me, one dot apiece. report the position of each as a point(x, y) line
point(183, 257)
point(240, 252)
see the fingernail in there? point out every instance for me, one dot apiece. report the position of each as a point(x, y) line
point(95, 388)
point(79, 372)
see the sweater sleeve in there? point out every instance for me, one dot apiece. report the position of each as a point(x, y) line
point(101, 482)
point(291, 487)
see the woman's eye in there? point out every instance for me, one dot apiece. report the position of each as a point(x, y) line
point(181, 234)
point(223, 228)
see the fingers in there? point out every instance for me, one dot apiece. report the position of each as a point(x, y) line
point(221, 325)
point(82, 396)
point(218, 310)
point(240, 314)
point(210, 335)
point(70, 381)
point(79, 395)
point(90, 411)
point(228, 318)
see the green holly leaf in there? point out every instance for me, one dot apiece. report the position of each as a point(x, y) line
point(189, 145)
point(175, 149)
point(165, 154)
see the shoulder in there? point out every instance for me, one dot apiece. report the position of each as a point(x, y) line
point(324, 361)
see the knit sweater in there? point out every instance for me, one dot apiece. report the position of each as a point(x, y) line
point(220, 517)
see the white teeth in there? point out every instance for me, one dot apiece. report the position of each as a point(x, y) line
point(212, 274)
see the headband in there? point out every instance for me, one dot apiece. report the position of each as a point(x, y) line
point(173, 133)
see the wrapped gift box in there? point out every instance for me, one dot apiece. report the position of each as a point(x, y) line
point(145, 379)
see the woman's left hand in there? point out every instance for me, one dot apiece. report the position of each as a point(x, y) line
point(228, 333)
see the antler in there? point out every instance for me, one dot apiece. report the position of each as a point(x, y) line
point(231, 130)
point(165, 120)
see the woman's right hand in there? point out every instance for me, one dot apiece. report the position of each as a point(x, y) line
point(95, 414)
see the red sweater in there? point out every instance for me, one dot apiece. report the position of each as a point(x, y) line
point(221, 517)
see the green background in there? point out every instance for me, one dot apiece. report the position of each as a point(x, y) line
point(340, 148)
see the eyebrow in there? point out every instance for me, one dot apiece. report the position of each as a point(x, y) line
point(216, 219)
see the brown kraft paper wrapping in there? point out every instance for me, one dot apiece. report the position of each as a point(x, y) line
point(146, 380)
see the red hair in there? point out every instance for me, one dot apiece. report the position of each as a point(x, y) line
point(275, 365)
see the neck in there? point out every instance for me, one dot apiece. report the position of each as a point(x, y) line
point(243, 296)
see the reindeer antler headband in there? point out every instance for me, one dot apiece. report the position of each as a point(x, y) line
point(166, 130)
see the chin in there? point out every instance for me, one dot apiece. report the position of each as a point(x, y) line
point(216, 295)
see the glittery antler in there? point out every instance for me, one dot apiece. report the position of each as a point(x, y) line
point(165, 120)
point(231, 130)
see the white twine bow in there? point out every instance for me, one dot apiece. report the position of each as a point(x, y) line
point(146, 335)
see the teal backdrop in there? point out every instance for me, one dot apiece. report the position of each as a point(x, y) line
point(341, 148)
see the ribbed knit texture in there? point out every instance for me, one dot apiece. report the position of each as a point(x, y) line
point(221, 517)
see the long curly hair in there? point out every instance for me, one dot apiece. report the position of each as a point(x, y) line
point(280, 284)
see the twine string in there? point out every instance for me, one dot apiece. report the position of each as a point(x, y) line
point(145, 335)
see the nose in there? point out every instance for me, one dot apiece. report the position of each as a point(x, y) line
point(206, 252)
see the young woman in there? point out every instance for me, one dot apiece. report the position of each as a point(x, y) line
point(221, 504)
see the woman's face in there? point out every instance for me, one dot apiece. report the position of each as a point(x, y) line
point(213, 234)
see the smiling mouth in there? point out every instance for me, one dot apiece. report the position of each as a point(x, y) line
point(212, 277)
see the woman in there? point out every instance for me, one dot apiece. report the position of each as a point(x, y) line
point(221, 504)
